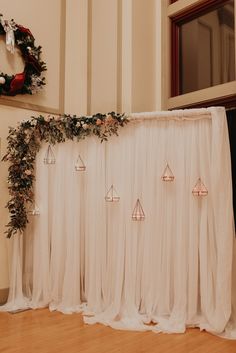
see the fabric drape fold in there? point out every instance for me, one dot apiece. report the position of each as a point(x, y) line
point(167, 272)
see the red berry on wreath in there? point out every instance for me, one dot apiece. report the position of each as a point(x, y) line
point(17, 83)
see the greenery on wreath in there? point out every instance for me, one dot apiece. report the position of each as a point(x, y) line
point(24, 142)
point(29, 81)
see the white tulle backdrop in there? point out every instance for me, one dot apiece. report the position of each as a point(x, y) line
point(85, 254)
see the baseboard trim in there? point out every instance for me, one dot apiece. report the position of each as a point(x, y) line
point(3, 295)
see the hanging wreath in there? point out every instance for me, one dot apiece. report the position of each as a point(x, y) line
point(29, 81)
point(24, 142)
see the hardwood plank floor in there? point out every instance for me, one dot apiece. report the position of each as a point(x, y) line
point(37, 331)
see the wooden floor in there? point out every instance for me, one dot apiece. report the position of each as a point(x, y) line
point(37, 331)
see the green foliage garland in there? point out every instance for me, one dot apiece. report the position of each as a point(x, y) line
point(24, 142)
point(29, 81)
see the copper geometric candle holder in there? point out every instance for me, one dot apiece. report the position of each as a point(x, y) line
point(79, 165)
point(199, 189)
point(34, 210)
point(167, 174)
point(111, 195)
point(49, 156)
point(138, 213)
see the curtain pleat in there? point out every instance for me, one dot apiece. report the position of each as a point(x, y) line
point(171, 270)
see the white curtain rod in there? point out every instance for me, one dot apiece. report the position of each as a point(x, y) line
point(182, 114)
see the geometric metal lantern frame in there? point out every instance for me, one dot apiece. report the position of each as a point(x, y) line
point(199, 189)
point(79, 165)
point(34, 210)
point(112, 195)
point(167, 174)
point(49, 156)
point(138, 213)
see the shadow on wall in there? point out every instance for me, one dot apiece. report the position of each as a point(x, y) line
point(231, 118)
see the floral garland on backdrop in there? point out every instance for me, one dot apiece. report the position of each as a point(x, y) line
point(24, 142)
point(28, 81)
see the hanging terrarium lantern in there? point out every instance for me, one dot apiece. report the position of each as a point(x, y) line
point(111, 195)
point(199, 189)
point(167, 174)
point(79, 165)
point(49, 156)
point(138, 213)
point(33, 210)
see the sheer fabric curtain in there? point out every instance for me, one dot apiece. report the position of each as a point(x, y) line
point(173, 269)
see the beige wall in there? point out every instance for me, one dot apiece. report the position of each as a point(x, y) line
point(143, 44)
point(104, 59)
point(121, 57)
